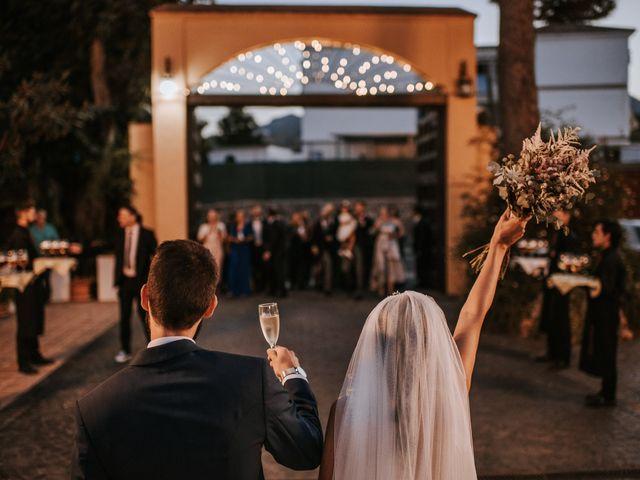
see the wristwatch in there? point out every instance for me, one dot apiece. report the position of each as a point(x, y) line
point(292, 371)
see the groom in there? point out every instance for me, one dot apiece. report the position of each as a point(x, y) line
point(180, 411)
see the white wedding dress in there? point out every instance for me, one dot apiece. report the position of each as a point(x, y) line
point(403, 411)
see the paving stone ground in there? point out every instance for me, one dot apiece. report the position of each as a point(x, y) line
point(69, 327)
point(526, 419)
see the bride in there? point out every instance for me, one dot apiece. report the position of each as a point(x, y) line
point(403, 411)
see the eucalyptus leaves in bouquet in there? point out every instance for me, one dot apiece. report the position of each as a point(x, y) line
point(546, 177)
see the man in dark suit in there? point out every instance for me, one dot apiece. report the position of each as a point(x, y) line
point(421, 246)
point(323, 246)
point(598, 355)
point(274, 254)
point(554, 317)
point(135, 245)
point(180, 411)
point(363, 250)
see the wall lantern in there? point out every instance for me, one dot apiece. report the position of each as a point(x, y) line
point(464, 84)
point(168, 86)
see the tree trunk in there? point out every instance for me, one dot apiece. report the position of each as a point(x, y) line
point(90, 214)
point(516, 72)
point(99, 85)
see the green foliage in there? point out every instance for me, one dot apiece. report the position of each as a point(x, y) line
point(238, 128)
point(572, 11)
point(57, 145)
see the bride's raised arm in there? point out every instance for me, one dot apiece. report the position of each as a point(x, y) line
point(508, 230)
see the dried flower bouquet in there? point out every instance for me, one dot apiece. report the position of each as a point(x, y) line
point(547, 177)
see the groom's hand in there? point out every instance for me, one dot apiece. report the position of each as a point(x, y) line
point(281, 358)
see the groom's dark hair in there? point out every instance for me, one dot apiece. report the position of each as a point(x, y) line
point(182, 281)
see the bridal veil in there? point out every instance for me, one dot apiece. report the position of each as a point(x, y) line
point(403, 411)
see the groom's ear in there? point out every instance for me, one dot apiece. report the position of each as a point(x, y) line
point(212, 307)
point(144, 298)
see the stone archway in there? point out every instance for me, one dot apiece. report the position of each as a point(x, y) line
point(190, 41)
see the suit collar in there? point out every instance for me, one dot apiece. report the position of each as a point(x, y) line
point(149, 356)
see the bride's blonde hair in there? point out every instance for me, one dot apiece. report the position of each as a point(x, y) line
point(404, 397)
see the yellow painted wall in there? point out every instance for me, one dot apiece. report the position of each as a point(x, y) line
point(199, 42)
point(141, 171)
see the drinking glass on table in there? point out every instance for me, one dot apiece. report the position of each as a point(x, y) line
point(12, 259)
point(45, 247)
point(269, 322)
point(22, 258)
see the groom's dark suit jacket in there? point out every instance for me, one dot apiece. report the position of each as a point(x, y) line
point(181, 412)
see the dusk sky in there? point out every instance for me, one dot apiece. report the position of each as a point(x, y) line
point(627, 14)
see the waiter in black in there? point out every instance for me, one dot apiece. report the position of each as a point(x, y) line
point(135, 245)
point(274, 237)
point(600, 334)
point(30, 302)
point(554, 319)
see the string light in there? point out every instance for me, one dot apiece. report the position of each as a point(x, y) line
point(312, 62)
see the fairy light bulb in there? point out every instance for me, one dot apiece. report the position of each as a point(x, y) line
point(285, 68)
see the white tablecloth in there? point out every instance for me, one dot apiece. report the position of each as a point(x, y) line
point(105, 265)
point(61, 265)
point(17, 280)
point(531, 265)
point(60, 278)
point(565, 282)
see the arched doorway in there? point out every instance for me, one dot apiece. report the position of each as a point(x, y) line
point(346, 149)
point(423, 49)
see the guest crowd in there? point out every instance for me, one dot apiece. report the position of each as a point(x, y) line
point(344, 248)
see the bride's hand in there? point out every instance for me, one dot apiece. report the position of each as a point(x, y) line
point(509, 229)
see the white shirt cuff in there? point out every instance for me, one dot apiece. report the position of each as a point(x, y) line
point(292, 376)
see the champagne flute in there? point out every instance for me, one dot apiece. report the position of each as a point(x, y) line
point(270, 322)
point(22, 258)
point(12, 259)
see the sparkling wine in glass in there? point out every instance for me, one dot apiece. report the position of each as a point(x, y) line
point(22, 259)
point(12, 259)
point(270, 322)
